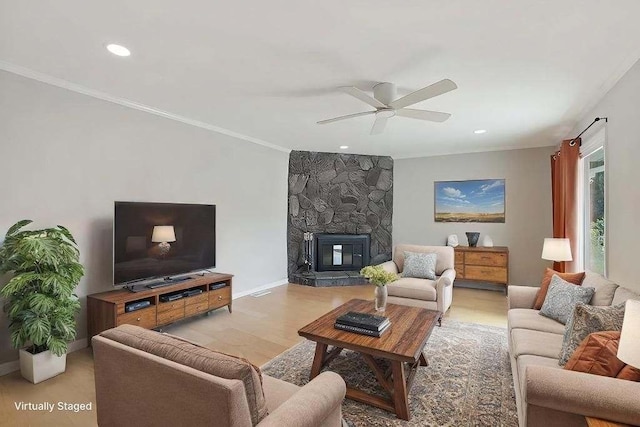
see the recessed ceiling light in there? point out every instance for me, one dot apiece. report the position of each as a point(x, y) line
point(479, 131)
point(344, 147)
point(116, 49)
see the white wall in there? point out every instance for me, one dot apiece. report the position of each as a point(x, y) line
point(622, 156)
point(528, 204)
point(66, 157)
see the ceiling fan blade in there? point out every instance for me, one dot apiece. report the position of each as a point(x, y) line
point(432, 116)
point(362, 96)
point(348, 116)
point(443, 86)
point(379, 125)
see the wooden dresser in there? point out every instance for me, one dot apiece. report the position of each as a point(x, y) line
point(482, 264)
point(108, 309)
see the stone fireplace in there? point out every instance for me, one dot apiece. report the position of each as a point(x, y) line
point(335, 194)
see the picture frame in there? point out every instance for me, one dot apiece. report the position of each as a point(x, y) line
point(475, 200)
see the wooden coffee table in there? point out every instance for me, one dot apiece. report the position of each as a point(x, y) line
point(401, 345)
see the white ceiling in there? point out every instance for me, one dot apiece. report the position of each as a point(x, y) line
point(269, 70)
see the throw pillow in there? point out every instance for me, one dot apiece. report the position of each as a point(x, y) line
point(562, 297)
point(420, 265)
point(586, 319)
point(597, 355)
point(200, 358)
point(575, 278)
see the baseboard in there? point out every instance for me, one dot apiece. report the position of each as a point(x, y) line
point(14, 365)
point(8, 367)
point(261, 288)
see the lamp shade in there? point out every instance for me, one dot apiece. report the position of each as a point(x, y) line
point(556, 249)
point(163, 234)
point(629, 347)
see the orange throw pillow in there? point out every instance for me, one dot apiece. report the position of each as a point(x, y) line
point(597, 355)
point(575, 278)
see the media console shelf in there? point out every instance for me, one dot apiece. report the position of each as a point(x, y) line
point(106, 310)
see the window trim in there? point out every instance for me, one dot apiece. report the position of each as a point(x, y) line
point(592, 143)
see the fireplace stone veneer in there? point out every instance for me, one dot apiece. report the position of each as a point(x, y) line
point(337, 193)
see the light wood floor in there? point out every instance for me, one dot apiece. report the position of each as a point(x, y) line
point(258, 329)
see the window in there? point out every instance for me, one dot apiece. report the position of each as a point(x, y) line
point(593, 235)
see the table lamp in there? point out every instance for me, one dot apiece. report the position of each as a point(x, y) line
point(629, 347)
point(163, 234)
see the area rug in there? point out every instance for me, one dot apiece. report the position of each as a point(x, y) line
point(467, 383)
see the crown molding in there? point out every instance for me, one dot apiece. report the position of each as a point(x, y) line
point(55, 81)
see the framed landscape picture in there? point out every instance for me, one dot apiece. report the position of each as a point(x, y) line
point(481, 200)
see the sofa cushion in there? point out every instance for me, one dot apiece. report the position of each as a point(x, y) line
point(526, 318)
point(575, 278)
point(536, 343)
point(527, 360)
point(562, 298)
point(420, 265)
point(586, 319)
point(197, 357)
point(597, 355)
point(276, 391)
point(624, 294)
point(408, 287)
point(605, 289)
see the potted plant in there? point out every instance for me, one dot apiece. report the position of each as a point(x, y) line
point(379, 277)
point(39, 298)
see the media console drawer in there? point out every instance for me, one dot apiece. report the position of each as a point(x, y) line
point(171, 305)
point(219, 297)
point(145, 318)
point(171, 315)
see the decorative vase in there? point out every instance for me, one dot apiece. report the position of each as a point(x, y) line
point(472, 238)
point(452, 240)
point(487, 241)
point(381, 298)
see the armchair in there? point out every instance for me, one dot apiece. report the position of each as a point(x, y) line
point(143, 378)
point(431, 294)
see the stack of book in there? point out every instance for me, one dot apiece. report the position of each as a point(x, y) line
point(363, 323)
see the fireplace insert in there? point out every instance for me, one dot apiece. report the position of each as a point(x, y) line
point(341, 252)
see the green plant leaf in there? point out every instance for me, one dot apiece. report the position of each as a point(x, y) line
point(17, 226)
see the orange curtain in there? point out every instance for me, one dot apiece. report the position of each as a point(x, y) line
point(564, 183)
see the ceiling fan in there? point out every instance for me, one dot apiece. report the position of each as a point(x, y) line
point(386, 105)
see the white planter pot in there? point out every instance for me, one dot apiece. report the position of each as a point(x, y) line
point(42, 366)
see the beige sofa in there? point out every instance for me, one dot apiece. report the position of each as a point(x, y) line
point(138, 388)
point(431, 294)
point(548, 395)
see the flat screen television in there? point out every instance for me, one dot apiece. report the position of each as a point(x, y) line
point(161, 240)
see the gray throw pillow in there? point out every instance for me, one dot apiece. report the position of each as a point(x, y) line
point(420, 265)
point(585, 320)
point(562, 297)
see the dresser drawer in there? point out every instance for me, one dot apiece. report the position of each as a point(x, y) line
point(171, 316)
point(145, 318)
point(459, 271)
point(459, 257)
point(487, 274)
point(486, 258)
point(219, 297)
point(171, 305)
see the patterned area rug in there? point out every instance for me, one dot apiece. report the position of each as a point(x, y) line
point(467, 383)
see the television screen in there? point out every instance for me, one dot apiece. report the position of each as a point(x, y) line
point(158, 240)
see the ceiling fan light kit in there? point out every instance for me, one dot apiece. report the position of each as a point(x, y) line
point(387, 105)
